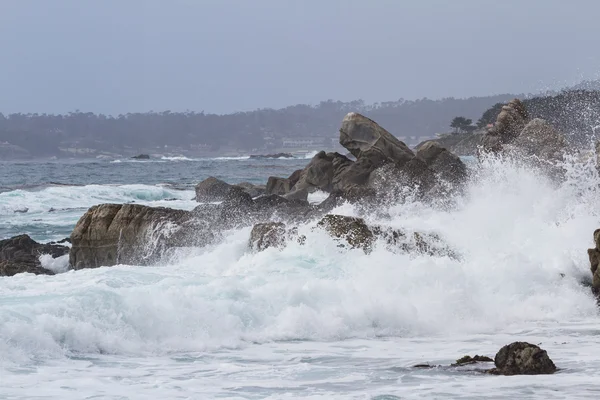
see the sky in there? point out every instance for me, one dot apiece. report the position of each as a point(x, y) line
point(221, 56)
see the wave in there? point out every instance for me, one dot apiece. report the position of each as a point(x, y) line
point(231, 158)
point(177, 158)
point(522, 241)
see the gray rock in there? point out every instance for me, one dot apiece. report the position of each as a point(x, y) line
point(265, 235)
point(446, 165)
point(364, 138)
point(539, 138)
point(278, 186)
point(211, 189)
point(251, 189)
point(509, 124)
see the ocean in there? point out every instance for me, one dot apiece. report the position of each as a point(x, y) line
point(310, 321)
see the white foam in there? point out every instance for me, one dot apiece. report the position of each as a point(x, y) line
point(57, 265)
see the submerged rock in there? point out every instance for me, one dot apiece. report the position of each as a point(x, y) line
point(277, 155)
point(522, 358)
point(466, 360)
point(141, 157)
point(21, 254)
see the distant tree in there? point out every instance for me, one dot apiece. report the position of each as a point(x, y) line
point(461, 124)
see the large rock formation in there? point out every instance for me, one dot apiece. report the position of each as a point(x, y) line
point(211, 189)
point(22, 254)
point(383, 163)
point(538, 138)
point(521, 358)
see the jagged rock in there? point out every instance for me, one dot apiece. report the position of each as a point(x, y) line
point(21, 254)
point(265, 235)
point(321, 172)
point(364, 138)
point(110, 234)
point(211, 189)
point(509, 124)
point(521, 358)
point(354, 231)
point(446, 165)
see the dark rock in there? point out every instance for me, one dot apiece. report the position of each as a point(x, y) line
point(278, 186)
point(354, 231)
point(521, 358)
point(446, 165)
point(295, 177)
point(141, 157)
point(21, 210)
point(594, 256)
point(321, 172)
point(65, 240)
point(354, 194)
point(211, 189)
point(265, 235)
point(21, 254)
point(471, 360)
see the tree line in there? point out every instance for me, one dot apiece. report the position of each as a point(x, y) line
point(44, 134)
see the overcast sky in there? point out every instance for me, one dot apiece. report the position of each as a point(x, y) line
point(118, 56)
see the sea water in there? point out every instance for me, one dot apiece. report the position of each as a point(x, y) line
point(309, 321)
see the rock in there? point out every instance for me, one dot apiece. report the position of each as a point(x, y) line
point(278, 186)
point(277, 155)
point(211, 189)
point(461, 144)
point(471, 360)
point(321, 172)
point(354, 231)
point(21, 210)
point(353, 194)
point(251, 189)
point(265, 235)
point(141, 157)
point(110, 234)
point(446, 165)
point(539, 138)
point(394, 182)
point(509, 124)
point(594, 256)
point(21, 254)
point(521, 358)
point(364, 138)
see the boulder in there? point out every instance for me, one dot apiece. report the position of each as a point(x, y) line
point(509, 124)
point(211, 189)
point(110, 234)
point(364, 138)
point(265, 235)
point(354, 231)
point(321, 172)
point(21, 254)
point(521, 358)
point(443, 163)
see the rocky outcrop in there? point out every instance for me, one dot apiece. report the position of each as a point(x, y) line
point(594, 255)
point(354, 231)
point(521, 358)
point(364, 138)
point(141, 157)
point(443, 163)
point(509, 124)
point(21, 254)
point(461, 144)
point(111, 234)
